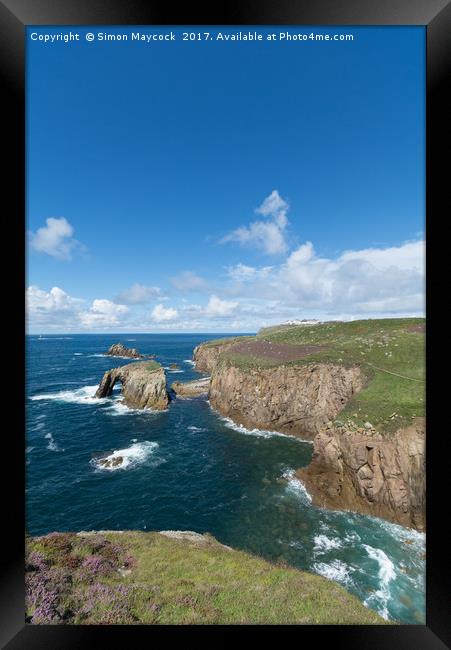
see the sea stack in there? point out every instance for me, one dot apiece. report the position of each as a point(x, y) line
point(143, 385)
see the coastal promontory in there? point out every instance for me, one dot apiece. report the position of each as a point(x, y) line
point(356, 389)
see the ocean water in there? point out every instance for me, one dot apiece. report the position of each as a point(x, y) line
point(188, 468)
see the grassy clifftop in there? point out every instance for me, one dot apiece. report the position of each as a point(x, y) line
point(152, 578)
point(390, 353)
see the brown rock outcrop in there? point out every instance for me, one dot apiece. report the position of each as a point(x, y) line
point(119, 350)
point(298, 400)
point(363, 472)
point(191, 388)
point(143, 385)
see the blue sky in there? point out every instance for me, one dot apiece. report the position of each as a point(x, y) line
point(222, 186)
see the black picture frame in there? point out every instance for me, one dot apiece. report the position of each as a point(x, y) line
point(435, 15)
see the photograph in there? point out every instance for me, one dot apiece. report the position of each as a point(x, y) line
point(225, 346)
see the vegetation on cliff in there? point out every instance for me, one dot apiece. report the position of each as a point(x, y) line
point(173, 578)
point(389, 352)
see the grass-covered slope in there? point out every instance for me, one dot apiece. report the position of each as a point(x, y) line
point(150, 578)
point(390, 352)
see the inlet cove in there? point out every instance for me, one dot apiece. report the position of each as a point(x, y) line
point(289, 463)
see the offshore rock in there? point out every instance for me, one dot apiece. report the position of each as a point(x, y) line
point(119, 350)
point(143, 385)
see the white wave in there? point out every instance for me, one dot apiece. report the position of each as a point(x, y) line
point(261, 433)
point(130, 339)
point(52, 444)
point(323, 544)
point(41, 417)
point(410, 535)
point(352, 538)
point(196, 429)
point(38, 427)
point(117, 407)
point(132, 456)
point(78, 354)
point(54, 338)
point(83, 395)
point(335, 570)
point(297, 487)
point(191, 363)
point(29, 450)
point(379, 599)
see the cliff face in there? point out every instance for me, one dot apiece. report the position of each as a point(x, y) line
point(293, 399)
point(143, 385)
point(363, 472)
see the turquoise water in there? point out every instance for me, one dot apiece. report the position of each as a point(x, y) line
point(190, 469)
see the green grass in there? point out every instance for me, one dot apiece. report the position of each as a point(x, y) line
point(171, 581)
point(151, 366)
point(388, 401)
point(228, 339)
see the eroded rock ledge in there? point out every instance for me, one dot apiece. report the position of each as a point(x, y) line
point(193, 388)
point(143, 385)
point(367, 473)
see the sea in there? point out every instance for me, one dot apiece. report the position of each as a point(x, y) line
point(189, 468)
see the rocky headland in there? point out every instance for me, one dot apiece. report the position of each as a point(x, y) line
point(143, 385)
point(119, 350)
point(323, 384)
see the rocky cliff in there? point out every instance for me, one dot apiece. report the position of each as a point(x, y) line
point(366, 472)
point(269, 382)
point(143, 385)
point(298, 400)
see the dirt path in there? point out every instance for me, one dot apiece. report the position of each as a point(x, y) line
point(392, 373)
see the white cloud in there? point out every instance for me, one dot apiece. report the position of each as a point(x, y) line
point(55, 238)
point(161, 314)
point(268, 235)
point(138, 294)
point(188, 281)
point(385, 280)
point(218, 307)
point(45, 302)
point(103, 313)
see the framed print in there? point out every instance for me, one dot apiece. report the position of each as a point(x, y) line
point(227, 222)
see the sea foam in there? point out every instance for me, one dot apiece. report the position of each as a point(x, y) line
point(132, 456)
point(297, 487)
point(335, 570)
point(379, 599)
point(83, 395)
